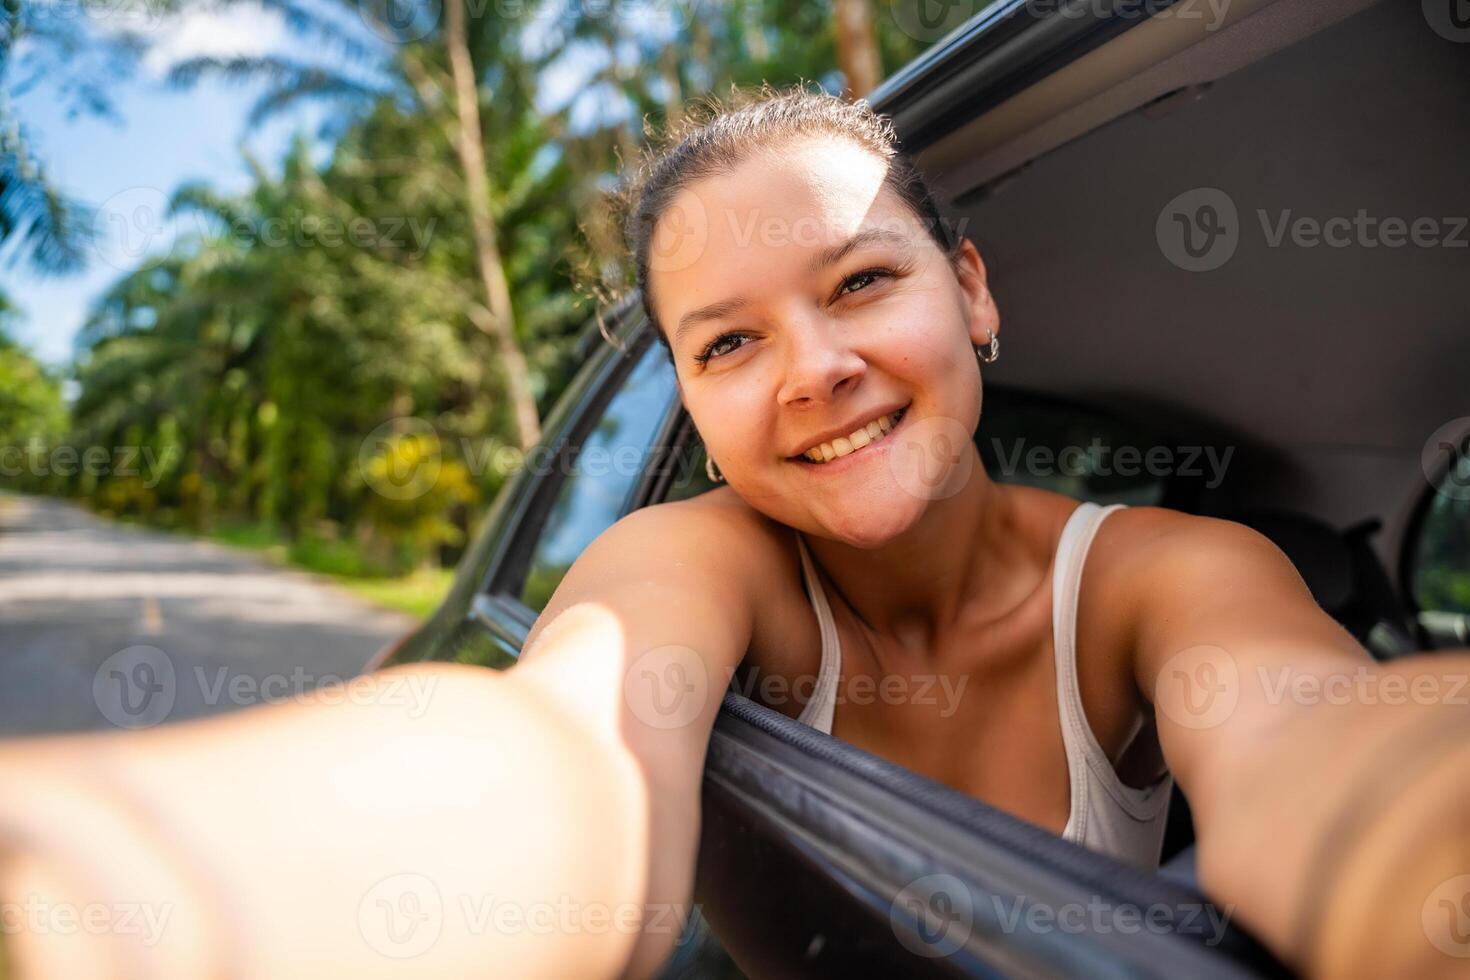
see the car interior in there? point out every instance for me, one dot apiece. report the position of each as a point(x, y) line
point(1321, 369)
point(1327, 378)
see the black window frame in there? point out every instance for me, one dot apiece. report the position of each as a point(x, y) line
point(497, 603)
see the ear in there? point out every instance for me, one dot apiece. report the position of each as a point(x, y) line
point(980, 310)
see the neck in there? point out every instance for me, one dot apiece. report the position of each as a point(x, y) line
point(955, 565)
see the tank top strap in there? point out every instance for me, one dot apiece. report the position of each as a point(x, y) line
point(1088, 765)
point(820, 706)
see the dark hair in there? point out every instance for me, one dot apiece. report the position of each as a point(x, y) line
point(715, 137)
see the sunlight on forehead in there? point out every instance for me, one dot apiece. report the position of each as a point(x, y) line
point(736, 239)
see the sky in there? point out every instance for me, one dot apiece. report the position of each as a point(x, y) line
point(165, 137)
point(127, 167)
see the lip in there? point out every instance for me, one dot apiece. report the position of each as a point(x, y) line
point(842, 464)
point(832, 434)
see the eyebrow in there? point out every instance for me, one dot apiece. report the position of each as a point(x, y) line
point(828, 256)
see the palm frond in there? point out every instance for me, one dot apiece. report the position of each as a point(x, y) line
point(316, 85)
point(42, 226)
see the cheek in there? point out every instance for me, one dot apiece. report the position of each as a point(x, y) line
point(735, 421)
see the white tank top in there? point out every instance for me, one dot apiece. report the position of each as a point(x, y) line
point(1106, 814)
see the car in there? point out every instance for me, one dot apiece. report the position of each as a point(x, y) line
point(1228, 244)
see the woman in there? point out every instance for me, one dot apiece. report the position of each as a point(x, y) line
point(829, 338)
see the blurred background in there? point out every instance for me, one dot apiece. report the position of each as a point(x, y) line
point(261, 259)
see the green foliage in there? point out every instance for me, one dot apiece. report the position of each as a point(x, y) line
point(31, 409)
point(1442, 557)
point(284, 370)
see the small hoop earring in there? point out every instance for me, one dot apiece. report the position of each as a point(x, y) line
point(990, 352)
point(709, 470)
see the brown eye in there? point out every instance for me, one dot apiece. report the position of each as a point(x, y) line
point(715, 348)
point(863, 279)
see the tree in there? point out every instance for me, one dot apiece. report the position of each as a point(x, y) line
point(31, 409)
point(857, 46)
point(446, 67)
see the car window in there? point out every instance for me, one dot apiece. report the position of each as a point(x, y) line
point(688, 476)
point(1441, 556)
point(607, 467)
point(1072, 449)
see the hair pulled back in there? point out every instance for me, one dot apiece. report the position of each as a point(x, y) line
point(713, 137)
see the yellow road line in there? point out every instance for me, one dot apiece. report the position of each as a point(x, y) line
point(152, 616)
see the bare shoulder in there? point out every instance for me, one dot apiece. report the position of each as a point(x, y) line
point(1142, 554)
point(1158, 541)
point(714, 548)
point(1177, 579)
point(758, 556)
point(717, 521)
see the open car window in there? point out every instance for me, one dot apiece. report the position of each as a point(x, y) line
point(607, 466)
point(1437, 566)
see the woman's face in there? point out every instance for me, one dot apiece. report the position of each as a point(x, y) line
point(803, 299)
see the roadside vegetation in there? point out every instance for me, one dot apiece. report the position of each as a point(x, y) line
point(339, 366)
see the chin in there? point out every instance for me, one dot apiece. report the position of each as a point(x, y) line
point(869, 523)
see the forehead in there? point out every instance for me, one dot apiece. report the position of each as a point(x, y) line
point(724, 232)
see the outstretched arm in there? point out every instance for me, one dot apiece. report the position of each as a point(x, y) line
point(357, 838)
point(442, 820)
point(1329, 791)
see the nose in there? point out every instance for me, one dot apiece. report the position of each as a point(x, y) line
point(819, 362)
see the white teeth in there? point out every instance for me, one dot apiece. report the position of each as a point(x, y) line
point(846, 445)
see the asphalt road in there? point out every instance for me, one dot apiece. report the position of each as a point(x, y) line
point(108, 626)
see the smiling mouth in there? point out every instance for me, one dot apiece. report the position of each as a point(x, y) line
point(843, 446)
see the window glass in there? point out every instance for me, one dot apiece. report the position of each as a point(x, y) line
point(607, 467)
point(1072, 450)
point(1441, 573)
point(688, 477)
